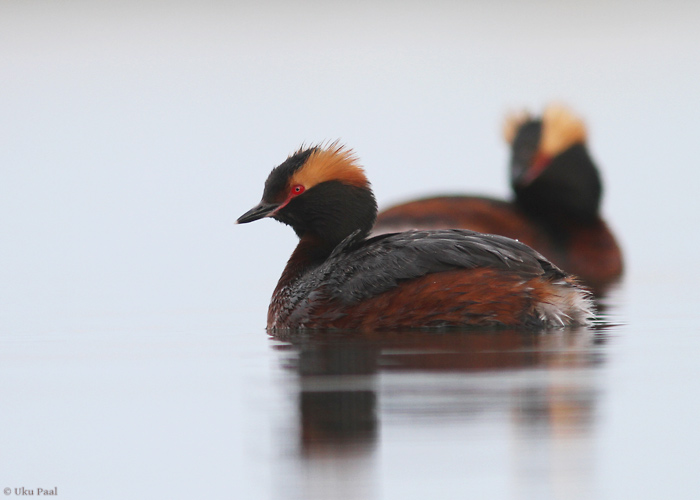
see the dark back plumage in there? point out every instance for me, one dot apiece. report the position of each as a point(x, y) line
point(360, 270)
point(379, 264)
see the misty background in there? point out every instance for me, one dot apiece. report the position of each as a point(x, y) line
point(133, 134)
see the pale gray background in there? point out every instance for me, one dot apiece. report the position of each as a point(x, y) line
point(133, 134)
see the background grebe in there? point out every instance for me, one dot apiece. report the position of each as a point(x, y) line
point(556, 205)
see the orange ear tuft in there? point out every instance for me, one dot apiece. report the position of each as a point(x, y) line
point(332, 163)
point(561, 129)
point(513, 122)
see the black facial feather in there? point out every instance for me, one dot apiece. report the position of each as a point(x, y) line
point(568, 188)
point(525, 146)
point(331, 211)
point(278, 178)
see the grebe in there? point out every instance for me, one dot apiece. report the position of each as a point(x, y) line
point(556, 206)
point(337, 278)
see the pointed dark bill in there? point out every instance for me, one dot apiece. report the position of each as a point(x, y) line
point(258, 212)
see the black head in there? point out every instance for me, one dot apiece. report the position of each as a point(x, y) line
point(552, 174)
point(321, 193)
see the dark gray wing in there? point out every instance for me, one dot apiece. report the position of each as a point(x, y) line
point(355, 272)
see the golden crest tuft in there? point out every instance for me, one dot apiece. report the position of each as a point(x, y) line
point(561, 129)
point(334, 162)
point(513, 122)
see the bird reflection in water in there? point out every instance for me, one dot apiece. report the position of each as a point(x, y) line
point(337, 396)
point(529, 395)
point(540, 386)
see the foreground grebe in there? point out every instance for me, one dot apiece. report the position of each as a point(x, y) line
point(337, 278)
point(556, 206)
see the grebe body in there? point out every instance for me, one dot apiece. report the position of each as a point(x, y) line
point(338, 278)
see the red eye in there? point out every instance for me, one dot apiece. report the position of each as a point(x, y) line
point(297, 190)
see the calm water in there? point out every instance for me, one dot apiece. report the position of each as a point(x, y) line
point(133, 357)
point(212, 410)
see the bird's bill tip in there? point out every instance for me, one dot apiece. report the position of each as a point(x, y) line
point(258, 212)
